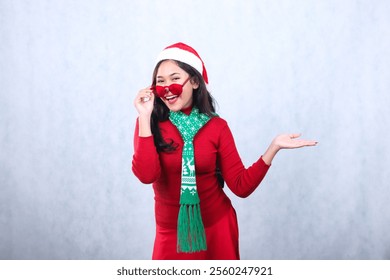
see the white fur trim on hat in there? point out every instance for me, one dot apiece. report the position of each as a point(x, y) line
point(183, 56)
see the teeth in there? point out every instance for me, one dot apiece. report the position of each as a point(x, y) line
point(170, 97)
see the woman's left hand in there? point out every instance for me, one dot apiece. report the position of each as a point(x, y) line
point(285, 141)
point(290, 141)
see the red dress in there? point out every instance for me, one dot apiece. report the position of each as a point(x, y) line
point(213, 144)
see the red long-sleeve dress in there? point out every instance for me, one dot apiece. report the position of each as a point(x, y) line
point(213, 144)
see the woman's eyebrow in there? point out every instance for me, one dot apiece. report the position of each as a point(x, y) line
point(169, 75)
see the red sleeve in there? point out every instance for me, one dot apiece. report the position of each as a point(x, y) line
point(240, 180)
point(146, 163)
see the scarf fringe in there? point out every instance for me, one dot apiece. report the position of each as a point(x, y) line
point(191, 235)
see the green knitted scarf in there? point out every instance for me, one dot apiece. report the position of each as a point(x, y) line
point(190, 230)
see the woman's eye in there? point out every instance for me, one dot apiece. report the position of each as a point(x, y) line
point(159, 81)
point(176, 79)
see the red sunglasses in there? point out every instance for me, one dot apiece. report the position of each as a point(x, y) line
point(175, 89)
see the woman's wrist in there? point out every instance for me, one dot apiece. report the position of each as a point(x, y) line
point(270, 153)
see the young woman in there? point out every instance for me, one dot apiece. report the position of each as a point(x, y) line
point(187, 152)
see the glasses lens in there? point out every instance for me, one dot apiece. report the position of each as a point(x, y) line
point(160, 91)
point(176, 89)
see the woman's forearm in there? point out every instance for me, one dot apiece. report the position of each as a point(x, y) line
point(144, 126)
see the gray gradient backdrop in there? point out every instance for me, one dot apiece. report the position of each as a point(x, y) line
point(69, 71)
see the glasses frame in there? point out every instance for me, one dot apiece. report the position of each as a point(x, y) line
point(175, 89)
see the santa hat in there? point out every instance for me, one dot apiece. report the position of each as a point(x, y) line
point(184, 53)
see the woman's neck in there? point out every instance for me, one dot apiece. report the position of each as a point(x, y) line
point(187, 110)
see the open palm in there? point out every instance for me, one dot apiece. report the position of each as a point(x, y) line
point(290, 141)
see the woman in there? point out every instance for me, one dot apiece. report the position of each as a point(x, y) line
point(184, 149)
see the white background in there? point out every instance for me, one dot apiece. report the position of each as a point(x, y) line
point(69, 71)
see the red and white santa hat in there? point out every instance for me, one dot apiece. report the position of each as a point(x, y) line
point(186, 54)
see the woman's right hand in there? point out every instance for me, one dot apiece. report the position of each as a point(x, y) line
point(144, 101)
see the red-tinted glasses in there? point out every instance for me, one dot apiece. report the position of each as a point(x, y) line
point(175, 89)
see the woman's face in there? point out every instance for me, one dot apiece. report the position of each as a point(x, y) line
point(170, 73)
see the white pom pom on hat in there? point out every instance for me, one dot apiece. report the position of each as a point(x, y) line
point(184, 53)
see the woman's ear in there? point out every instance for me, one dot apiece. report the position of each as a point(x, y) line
point(194, 82)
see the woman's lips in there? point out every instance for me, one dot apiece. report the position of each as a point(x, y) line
point(171, 98)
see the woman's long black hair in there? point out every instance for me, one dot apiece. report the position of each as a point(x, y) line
point(202, 99)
